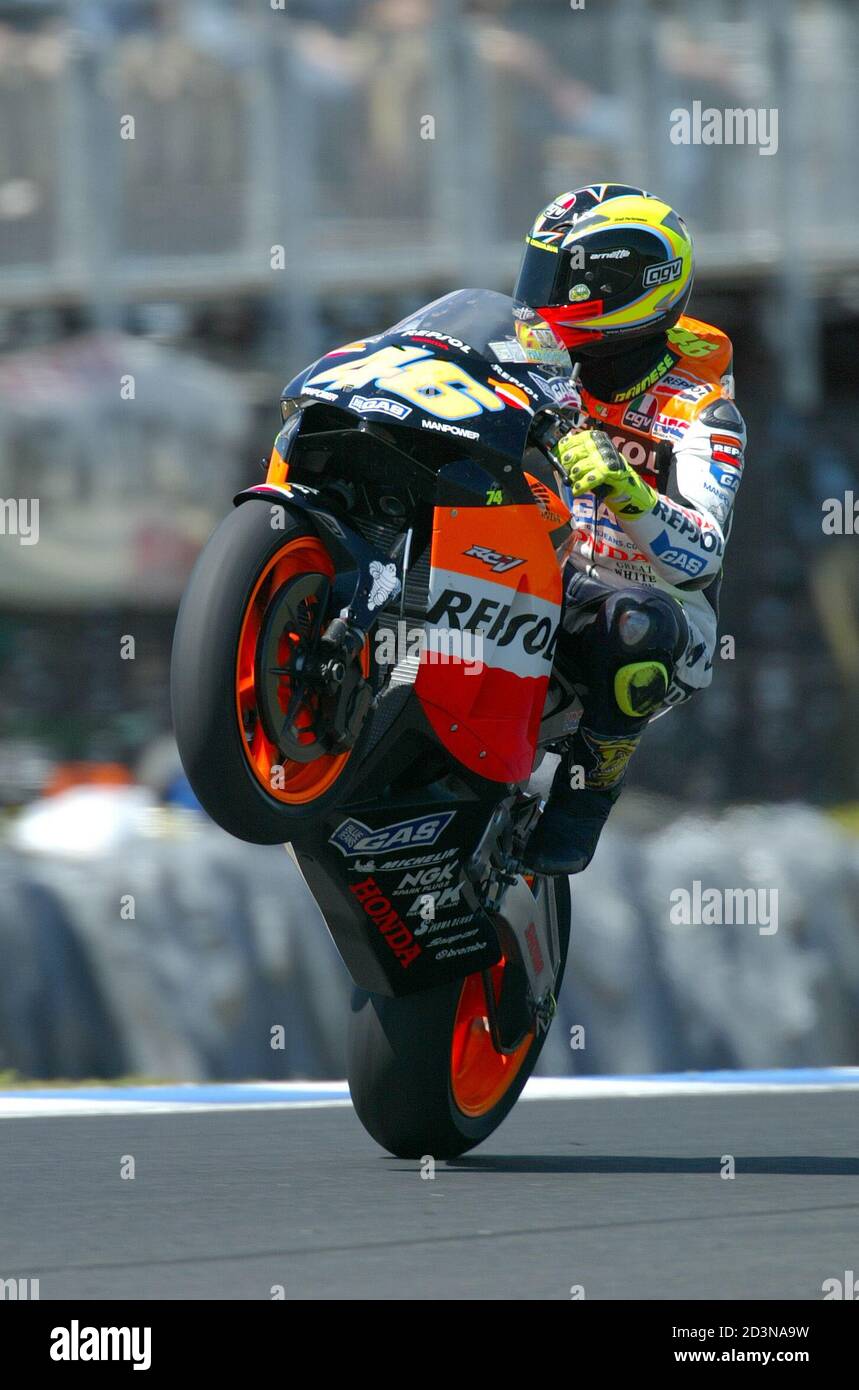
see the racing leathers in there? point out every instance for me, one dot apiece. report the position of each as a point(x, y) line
point(654, 463)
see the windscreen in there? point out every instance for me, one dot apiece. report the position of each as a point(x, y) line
point(494, 325)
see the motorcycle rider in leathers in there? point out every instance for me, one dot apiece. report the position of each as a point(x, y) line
point(654, 459)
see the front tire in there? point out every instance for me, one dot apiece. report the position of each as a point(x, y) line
point(226, 702)
point(414, 1086)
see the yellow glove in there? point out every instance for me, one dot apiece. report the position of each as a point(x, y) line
point(593, 464)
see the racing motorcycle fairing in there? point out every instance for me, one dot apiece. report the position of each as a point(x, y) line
point(390, 881)
point(474, 366)
point(494, 575)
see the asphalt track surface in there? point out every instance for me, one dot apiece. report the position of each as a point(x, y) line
point(622, 1196)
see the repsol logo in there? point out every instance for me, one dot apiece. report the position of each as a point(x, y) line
point(380, 911)
point(685, 525)
point(535, 634)
point(639, 455)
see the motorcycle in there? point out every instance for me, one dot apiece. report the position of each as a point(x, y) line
point(364, 669)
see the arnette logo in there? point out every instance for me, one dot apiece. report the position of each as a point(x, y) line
point(381, 912)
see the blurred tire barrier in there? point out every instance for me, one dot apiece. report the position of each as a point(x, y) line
point(651, 994)
point(143, 941)
point(225, 945)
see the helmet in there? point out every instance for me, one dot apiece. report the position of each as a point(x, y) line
point(606, 266)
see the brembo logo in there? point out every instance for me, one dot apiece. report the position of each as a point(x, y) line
point(380, 910)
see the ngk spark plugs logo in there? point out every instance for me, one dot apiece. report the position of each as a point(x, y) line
point(437, 877)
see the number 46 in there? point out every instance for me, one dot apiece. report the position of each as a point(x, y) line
point(443, 389)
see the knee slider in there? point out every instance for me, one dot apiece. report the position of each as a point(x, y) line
point(640, 687)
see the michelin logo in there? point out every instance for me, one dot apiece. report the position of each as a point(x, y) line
point(353, 837)
point(385, 583)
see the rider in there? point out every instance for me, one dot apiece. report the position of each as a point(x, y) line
point(654, 459)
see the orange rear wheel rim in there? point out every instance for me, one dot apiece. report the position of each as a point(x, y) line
point(480, 1076)
point(294, 783)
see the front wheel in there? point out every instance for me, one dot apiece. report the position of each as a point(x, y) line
point(253, 734)
point(424, 1074)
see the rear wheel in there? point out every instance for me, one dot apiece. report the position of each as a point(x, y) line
point(425, 1076)
point(252, 732)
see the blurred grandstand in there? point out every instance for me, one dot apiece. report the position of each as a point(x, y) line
point(395, 149)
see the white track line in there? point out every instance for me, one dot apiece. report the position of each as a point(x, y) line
point(313, 1095)
point(639, 1088)
point(41, 1106)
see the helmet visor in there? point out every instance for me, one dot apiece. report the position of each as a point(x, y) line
point(547, 278)
point(544, 277)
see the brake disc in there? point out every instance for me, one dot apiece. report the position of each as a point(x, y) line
point(296, 614)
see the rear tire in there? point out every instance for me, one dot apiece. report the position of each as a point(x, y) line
point(400, 1065)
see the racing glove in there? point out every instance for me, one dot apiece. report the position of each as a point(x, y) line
point(593, 464)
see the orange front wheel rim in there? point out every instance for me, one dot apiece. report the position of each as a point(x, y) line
point(287, 780)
